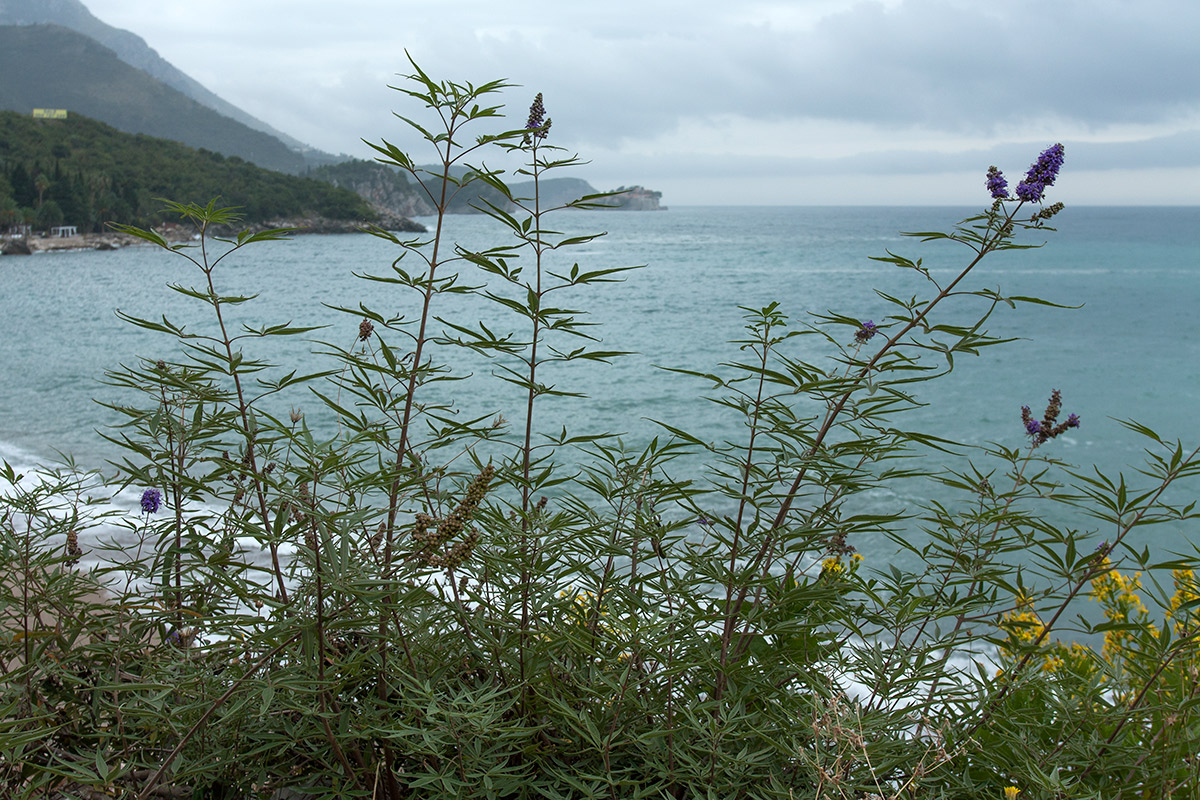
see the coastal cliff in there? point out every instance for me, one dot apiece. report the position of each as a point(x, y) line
point(386, 190)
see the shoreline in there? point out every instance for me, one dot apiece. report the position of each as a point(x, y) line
point(175, 233)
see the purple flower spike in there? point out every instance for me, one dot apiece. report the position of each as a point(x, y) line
point(1041, 175)
point(997, 184)
point(151, 501)
point(864, 334)
point(538, 126)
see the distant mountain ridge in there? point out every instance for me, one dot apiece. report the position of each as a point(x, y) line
point(133, 50)
point(56, 54)
point(49, 66)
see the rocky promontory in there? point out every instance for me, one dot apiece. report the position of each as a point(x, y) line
point(633, 198)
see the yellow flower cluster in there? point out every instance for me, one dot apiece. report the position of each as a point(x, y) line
point(1023, 626)
point(1186, 591)
point(835, 567)
point(1128, 649)
point(1122, 604)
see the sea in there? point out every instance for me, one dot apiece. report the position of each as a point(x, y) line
point(1125, 345)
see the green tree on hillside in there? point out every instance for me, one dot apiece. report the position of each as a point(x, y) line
point(95, 174)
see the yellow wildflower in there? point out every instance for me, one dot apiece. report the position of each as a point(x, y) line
point(1010, 792)
point(1122, 604)
point(1023, 626)
point(834, 567)
point(1186, 591)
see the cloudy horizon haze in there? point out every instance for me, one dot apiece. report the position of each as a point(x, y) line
point(808, 102)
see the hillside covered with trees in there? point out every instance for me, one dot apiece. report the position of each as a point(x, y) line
point(81, 172)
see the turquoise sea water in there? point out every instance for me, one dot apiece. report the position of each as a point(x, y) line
point(1132, 350)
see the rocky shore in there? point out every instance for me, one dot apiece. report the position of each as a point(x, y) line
point(176, 233)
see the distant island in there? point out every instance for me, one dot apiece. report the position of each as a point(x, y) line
point(634, 198)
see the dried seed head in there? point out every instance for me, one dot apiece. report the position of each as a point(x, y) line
point(73, 551)
point(1048, 427)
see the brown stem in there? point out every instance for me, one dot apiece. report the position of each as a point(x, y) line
point(243, 408)
point(835, 411)
point(728, 625)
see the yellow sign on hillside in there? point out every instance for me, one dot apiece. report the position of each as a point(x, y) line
point(49, 113)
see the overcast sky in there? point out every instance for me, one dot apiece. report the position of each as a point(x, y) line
point(737, 101)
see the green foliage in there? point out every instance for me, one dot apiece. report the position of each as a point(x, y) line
point(458, 600)
point(95, 174)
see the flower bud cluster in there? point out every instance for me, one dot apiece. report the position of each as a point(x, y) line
point(295, 511)
point(1047, 212)
point(432, 535)
point(1048, 427)
point(365, 329)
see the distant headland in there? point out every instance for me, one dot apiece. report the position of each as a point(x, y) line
point(635, 198)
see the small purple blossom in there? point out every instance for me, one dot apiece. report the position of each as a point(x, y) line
point(997, 184)
point(864, 334)
point(1041, 174)
point(1072, 420)
point(703, 520)
point(1033, 427)
point(151, 501)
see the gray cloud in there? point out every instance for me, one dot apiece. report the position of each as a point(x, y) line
point(968, 68)
point(630, 75)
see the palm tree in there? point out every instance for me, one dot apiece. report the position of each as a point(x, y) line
point(41, 183)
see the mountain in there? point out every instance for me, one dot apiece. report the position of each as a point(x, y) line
point(77, 171)
point(134, 51)
point(49, 66)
